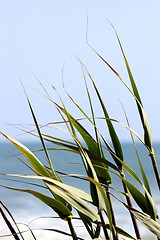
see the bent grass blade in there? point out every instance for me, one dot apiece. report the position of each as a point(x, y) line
point(86, 160)
point(147, 222)
point(33, 160)
point(56, 205)
point(42, 141)
point(73, 196)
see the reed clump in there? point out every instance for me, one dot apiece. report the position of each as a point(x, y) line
point(96, 209)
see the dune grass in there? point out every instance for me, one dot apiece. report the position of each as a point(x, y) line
point(95, 210)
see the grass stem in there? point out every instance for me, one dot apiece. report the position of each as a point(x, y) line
point(114, 234)
point(104, 228)
point(135, 225)
point(72, 230)
point(155, 168)
point(9, 224)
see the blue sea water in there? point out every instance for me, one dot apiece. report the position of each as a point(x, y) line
point(28, 210)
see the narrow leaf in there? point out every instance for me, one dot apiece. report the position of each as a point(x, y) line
point(112, 132)
point(37, 165)
point(145, 123)
point(56, 205)
point(147, 222)
point(73, 196)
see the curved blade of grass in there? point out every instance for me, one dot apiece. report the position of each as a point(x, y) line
point(56, 205)
point(73, 196)
point(97, 199)
point(102, 174)
point(147, 222)
point(86, 160)
point(93, 148)
point(122, 232)
point(9, 225)
point(94, 233)
point(91, 143)
point(145, 202)
point(145, 123)
point(137, 195)
point(42, 141)
point(106, 201)
point(112, 132)
point(39, 168)
point(76, 191)
point(61, 142)
point(36, 164)
point(145, 180)
point(76, 150)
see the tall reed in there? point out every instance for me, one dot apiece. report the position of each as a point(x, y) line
point(96, 209)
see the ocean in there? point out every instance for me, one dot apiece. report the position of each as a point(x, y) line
point(29, 211)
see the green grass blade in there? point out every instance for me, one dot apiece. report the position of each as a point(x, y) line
point(73, 196)
point(8, 223)
point(145, 123)
point(38, 167)
point(62, 143)
point(42, 141)
point(145, 202)
point(152, 208)
point(106, 201)
point(75, 149)
point(96, 196)
point(86, 159)
point(93, 148)
point(100, 172)
point(112, 132)
point(33, 160)
point(56, 205)
point(145, 180)
point(137, 195)
point(147, 222)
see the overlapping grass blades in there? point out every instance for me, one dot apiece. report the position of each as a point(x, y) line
point(65, 193)
point(95, 210)
point(72, 195)
point(33, 160)
point(145, 180)
point(96, 196)
point(8, 222)
point(56, 205)
point(148, 222)
point(94, 146)
point(144, 120)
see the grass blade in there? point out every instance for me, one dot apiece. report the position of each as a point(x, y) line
point(145, 180)
point(73, 196)
point(36, 164)
point(56, 205)
point(147, 222)
point(112, 132)
point(145, 123)
point(41, 138)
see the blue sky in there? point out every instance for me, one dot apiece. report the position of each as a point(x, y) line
point(37, 37)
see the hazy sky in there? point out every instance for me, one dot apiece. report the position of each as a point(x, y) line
point(37, 37)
